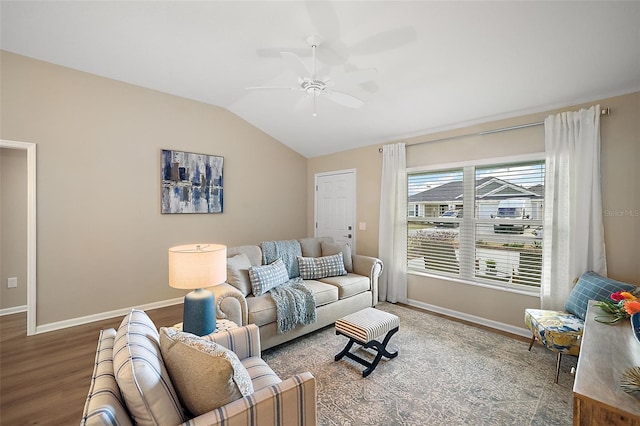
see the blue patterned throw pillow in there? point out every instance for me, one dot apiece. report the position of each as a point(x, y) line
point(592, 286)
point(313, 268)
point(264, 278)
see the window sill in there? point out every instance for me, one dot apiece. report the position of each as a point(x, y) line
point(534, 291)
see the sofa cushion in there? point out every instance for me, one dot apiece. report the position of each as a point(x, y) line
point(311, 246)
point(334, 248)
point(313, 268)
point(141, 374)
point(206, 375)
point(349, 284)
point(265, 277)
point(104, 402)
point(238, 273)
point(262, 309)
point(592, 286)
point(323, 293)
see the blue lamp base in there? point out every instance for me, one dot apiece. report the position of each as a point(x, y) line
point(199, 316)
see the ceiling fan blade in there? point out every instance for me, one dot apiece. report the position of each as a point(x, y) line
point(324, 17)
point(358, 76)
point(370, 86)
point(275, 52)
point(344, 99)
point(271, 88)
point(386, 40)
point(333, 53)
point(296, 65)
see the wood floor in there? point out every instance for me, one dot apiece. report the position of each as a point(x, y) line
point(44, 378)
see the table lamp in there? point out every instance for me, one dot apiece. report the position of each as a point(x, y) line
point(193, 267)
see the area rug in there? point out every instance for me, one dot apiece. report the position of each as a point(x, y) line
point(446, 373)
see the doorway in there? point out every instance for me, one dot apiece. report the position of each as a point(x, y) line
point(31, 228)
point(335, 206)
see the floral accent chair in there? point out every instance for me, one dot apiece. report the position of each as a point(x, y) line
point(561, 331)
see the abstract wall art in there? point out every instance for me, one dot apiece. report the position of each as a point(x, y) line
point(191, 183)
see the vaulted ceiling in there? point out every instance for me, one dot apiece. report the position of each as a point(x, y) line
point(418, 66)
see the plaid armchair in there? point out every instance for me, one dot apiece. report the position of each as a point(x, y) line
point(130, 383)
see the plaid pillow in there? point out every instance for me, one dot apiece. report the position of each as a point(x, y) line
point(313, 268)
point(592, 286)
point(264, 278)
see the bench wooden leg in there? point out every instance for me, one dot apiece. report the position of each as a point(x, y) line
point(533, 339)
point(380, 348)
point(558, 359)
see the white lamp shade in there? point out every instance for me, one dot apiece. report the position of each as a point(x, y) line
point(194, 266)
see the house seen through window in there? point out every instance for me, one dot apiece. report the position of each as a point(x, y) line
point(478, 223)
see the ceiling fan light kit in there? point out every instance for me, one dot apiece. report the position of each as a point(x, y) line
point(308, 81)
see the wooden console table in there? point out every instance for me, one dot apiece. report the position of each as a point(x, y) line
point(606, 352)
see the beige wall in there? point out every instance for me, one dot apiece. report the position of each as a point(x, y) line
point(13, 226)
point(102, 242)
point(620, 134)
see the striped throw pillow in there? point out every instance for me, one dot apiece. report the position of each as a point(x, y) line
point(313, 268)
point(141, 375)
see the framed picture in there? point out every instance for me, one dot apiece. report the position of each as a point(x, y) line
point(191, 183)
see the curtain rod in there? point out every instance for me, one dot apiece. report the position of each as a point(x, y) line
point(603, 111)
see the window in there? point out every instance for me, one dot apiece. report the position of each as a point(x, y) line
point(480, 223)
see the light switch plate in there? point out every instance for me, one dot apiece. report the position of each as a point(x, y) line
point(12, 282)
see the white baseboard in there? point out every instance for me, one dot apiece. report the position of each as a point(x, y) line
point(104, 315)
point(161, 304)
point(13, 310)
point(471, 318)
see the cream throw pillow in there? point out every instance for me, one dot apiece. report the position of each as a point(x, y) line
point(205, 374)
point(238, 273)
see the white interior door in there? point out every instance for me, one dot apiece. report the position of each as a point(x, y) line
point(336, 207)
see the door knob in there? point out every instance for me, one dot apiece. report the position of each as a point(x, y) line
point(348, 235)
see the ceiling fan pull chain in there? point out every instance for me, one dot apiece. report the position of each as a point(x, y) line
point(313, 68)
point(314, 104)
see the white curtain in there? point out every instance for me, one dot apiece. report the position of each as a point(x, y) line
point(574, 234)
point(392, 238)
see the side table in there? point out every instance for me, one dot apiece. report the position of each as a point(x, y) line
point(221, 325)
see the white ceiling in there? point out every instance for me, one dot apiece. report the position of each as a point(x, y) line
point(439, 65)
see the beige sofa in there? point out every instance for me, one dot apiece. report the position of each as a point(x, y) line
point(335, 296)
point(139, 378)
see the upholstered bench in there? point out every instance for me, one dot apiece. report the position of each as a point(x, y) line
point(363, 327)
point(558, 331)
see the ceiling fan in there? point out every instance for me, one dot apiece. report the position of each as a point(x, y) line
point(337, 52)
point(310, 83)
